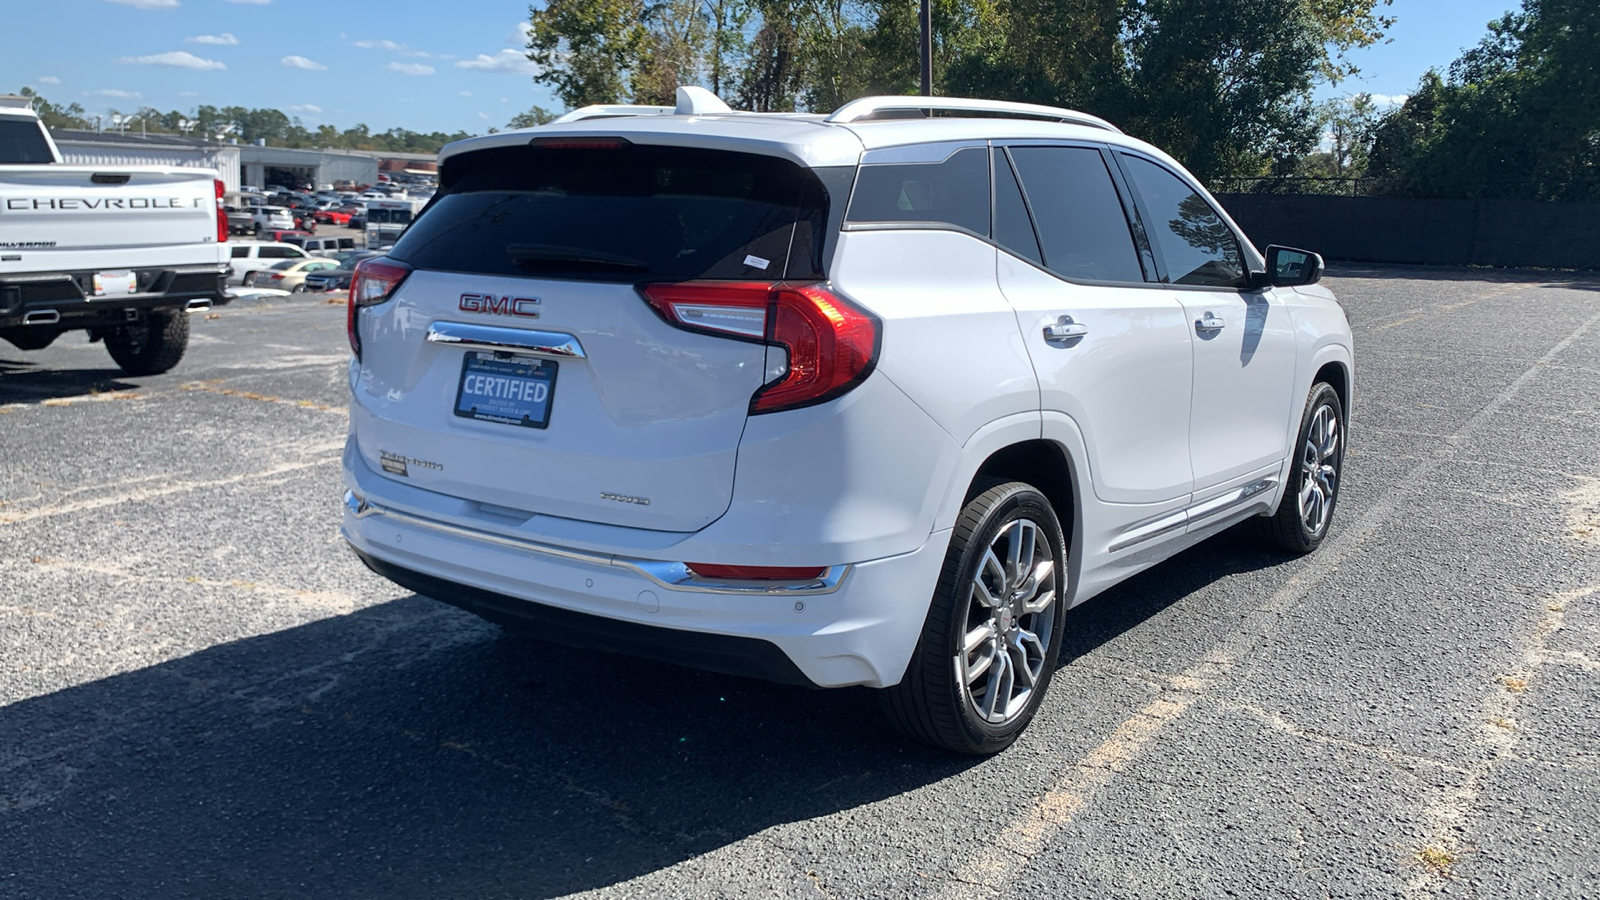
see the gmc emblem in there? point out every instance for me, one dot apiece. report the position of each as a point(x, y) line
point(527, 307)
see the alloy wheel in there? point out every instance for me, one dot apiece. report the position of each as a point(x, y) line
point(1319, 470)
point(1010, 623)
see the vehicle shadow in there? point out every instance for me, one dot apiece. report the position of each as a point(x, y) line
point(26, 382)
point(409, 750)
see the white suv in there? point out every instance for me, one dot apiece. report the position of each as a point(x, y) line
point(864, 399)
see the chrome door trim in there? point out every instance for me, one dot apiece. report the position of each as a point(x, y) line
point(1149, 529)
point(553, 344)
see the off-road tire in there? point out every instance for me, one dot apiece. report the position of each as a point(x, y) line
point(151, 346)
point(929, 704)
point(1286, 530)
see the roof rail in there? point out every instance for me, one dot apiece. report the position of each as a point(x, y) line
point(870, 108)
point(611, 111)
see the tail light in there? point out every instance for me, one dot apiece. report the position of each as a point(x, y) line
point(756, 573)
point(222, 214)
point(374, 281)
point(832, 345)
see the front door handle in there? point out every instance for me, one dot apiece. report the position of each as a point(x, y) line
point(1064, 330)
point(1209, 324)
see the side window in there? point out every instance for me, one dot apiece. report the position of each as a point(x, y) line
point(1195, 243)
point(277, 253)
point(1013, 230)
point(952, 192)
point(241, 252)
point(1082, 228)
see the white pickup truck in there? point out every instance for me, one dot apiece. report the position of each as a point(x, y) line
point(123, 252)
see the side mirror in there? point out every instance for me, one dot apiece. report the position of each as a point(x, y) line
point(1288, 267)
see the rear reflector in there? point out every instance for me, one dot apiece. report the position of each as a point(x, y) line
point(757, 573)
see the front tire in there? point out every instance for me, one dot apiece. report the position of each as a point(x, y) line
point(993, 633)
point(1306, 510)
point(152, 346)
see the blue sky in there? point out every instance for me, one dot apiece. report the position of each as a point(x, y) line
point(425, 66)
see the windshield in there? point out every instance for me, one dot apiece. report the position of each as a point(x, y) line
point(388, 216)
point(22, 142)
point(629, 213)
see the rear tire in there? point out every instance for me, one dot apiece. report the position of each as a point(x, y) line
point(993, 633)
point(249, 279)
point(152, 346)
point(1315, 476)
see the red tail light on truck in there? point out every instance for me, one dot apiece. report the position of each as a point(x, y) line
point(222, 214)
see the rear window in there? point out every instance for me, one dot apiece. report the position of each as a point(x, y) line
point(22, 142)
point(953, 192)
point(631, 213)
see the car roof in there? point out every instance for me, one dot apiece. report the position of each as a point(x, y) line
point(816, 140)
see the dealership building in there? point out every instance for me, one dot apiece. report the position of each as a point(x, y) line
point(240, 164)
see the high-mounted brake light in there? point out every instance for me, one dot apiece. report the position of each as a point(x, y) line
point(580, 143)
point(756, 573)
point(373, 282)
point(832, 345)
point(222, 214)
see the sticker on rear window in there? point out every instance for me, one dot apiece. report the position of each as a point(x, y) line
point(757, 262)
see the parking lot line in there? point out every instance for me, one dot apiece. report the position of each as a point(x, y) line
point(1000, 862)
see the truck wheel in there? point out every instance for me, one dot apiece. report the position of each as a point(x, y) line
point(249, 279)
point(993, 633)
point(152, 346)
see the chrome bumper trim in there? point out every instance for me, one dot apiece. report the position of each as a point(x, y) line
point(553, 344)
point(674, 576)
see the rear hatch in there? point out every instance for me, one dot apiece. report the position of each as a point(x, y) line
point(543, 244)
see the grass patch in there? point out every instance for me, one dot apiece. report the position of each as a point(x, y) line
point(1436, 859)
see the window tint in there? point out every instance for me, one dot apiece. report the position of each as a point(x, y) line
point(1195, 243)
point(241, 252)
point(1012, 228)
point(1082, 227)
point(627, 214)
point(952, 192)
point(278, 253)
point(22, 142)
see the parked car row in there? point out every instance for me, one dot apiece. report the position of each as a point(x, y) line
point(252, 261)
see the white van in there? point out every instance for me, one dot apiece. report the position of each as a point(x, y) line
point(252, 257)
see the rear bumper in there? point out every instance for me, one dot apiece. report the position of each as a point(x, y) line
point(30, 300)
point(857, 626)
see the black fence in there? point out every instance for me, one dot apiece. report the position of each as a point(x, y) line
point(1512, 233)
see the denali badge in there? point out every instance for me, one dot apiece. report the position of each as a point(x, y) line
point(527, 307)
point(399, 463)
point(624, 498)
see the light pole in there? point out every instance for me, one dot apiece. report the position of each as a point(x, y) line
point(927, 48)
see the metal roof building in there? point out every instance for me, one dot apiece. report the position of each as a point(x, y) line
point(89, 148)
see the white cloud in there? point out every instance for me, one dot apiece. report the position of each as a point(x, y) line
point(505, 99)
point(148, 4)
point(519, 35)
point(115, 94)
point(483, 116)
point(177, 59)
point(219, 40)
point(306, 108)
point(382, 45)
point(48, 79)
point(300, 62)
point(410, 68)
point(1390, 99)
point(506, 62)
point(463, 93)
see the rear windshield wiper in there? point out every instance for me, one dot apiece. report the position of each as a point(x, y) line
point(547, 257)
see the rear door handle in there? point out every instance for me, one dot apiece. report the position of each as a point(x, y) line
point(1209, 324)
point(1064, 330)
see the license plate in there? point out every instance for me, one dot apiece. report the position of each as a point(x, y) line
point(506, 388)
point(111, 283)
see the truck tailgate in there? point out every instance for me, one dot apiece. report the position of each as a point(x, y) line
point(59, 207)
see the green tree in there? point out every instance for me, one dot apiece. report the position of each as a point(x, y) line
point(587, 49)
point(536, 115)
point(53, 116)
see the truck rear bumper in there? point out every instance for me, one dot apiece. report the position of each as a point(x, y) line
point(65, 300)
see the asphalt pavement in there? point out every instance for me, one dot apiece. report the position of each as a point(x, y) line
point(204, 694)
